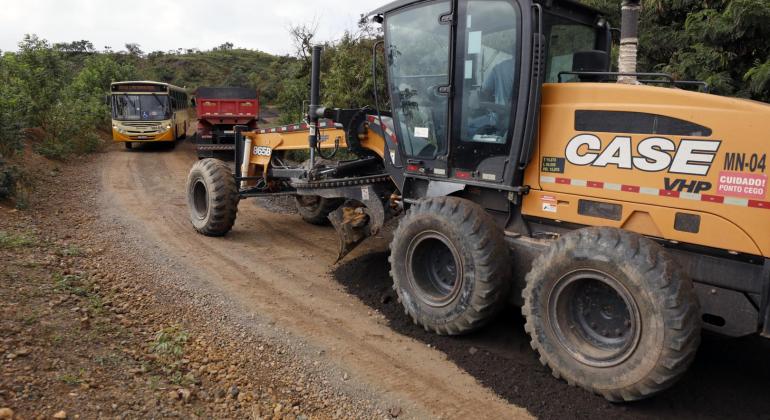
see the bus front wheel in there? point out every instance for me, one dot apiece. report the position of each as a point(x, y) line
point(129, 145)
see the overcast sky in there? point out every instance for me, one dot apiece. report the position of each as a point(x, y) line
point(170, 24)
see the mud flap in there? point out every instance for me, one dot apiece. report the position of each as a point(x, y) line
point(355, 220)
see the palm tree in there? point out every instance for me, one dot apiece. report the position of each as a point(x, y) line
point(629, 39)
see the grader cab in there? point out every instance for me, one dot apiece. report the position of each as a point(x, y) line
point(623, 219)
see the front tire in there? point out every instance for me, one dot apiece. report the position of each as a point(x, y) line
point(609, 311)
point(450, 265)
point(212, 197)
point(129, 145)
point(315, 210)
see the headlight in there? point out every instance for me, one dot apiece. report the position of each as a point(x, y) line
point(168, 126)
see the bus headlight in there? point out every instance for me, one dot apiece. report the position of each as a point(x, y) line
point(168, 127)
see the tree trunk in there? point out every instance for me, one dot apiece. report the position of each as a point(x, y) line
point(629, 40)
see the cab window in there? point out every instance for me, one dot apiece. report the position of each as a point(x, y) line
point(565, 39)
point(488, 62)
point(418, 63)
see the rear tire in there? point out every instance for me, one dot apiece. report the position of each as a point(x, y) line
point(315, 210)
point(450, 265)
point(212, 197)
point(609, 311)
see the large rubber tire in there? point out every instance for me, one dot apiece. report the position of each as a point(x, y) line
point(212, 197)
point(129, 145)
point(315, 210)
point(610, 311)
point(450, 265)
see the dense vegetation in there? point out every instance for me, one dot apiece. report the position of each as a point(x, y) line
point(52, 95)
point(721, 42)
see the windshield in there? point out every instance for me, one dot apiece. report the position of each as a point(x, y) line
point(140, 107)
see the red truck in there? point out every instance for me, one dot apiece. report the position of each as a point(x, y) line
point(219, 110)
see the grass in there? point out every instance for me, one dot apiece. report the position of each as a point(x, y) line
point(169, 345)
point(71, 251)
point(29, 319)
point(69, 283)
point(111, 359)
point(153, 382)
point(96, 304)
point(16, 240)
point(169, 342)
point(73, 379)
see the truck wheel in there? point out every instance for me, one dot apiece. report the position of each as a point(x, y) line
point(129, 145)
point(212, 197)
point(610, 311)
point(314, 209)
point(450, 265)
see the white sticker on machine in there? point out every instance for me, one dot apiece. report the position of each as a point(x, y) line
point(550, 205)
point(422, 132)
point(365, 193)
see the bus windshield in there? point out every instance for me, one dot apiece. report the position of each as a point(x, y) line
point(153, 107)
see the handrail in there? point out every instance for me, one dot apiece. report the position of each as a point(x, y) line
point(702, 86)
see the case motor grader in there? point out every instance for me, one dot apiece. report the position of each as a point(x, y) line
point(622, 218)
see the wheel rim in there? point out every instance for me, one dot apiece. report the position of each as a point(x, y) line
point(594, 318)
point(434, 269)
point(200, 199)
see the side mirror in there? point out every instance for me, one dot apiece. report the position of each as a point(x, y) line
point(107, 99)
point(591, 61)
point(192, 102)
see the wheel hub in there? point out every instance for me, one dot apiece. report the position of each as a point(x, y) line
point(200, 199)
point(433, 268)
point(594, 318)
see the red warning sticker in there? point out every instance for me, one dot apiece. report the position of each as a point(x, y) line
point(738, 184)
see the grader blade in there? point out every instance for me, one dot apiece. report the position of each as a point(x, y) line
point(354, 222)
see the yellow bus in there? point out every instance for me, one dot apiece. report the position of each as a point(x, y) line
point(145, 111)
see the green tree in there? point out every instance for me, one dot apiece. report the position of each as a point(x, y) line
point(82, 108)
point(14, 106)
point(42, 73)
point(722, 42)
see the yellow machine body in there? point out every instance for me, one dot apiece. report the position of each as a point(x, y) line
point(264, 142)
point(693, 171)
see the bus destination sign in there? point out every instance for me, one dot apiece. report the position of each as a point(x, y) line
point(145, 88)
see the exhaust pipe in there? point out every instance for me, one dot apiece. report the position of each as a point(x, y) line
point(629, 40)
point(315, 99)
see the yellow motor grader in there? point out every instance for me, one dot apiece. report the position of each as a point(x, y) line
point(623, 219)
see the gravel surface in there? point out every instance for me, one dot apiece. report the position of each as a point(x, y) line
point(97, 324)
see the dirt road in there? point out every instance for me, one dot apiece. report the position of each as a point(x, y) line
point(273, 267)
